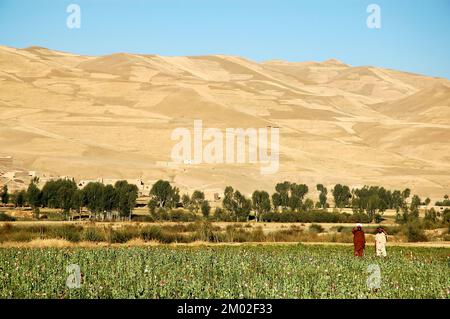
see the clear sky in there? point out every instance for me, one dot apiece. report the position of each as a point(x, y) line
point(414, 34)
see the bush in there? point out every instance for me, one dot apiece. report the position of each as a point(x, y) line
point(166, 236)
point(151, 233)
point(221, 215)
point(257, 235)
point(315, 228)
point(446, 217)
point(378, 218)
point(6, 218)
point(175, 215)
point(140, 218)
point(159, 214)
point(119, 236)
point(293, 234)
point(315, 216)
point(237, 235)
point(94, 235)
point(205, 208)
point(18, 236)
point(206, 232)
point(339, 229)
point(414, 232)
point(358, 218)
point(67, 232)
point(180, 215)
point(123, 234)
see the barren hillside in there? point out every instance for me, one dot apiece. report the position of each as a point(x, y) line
point(112, 117)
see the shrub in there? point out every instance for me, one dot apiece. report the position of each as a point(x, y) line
point(94, 235)
point(446, 216)
point(151, 233)
point(221, 215)
point(316, 228)
point(315, 216)
point(67, 232)
point(378, 218)
point(123, 234)
point(206, 232)
point(119, 236)
point(339, 228)
point(176, 215)
point(358, 218)
point(140, 218)
point(257, 235)
point(165, 235)
point(19, 236)
point(292, 234)
point(159, 214)
point(414, 232)
point(179, 215)
point(6, 218)
point(237, 235)
point(205, 208)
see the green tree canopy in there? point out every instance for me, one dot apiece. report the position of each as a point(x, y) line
point(19, 198)
point(289, 195)
point(322, 195)
point(34, 196)
point(163, 195)
point(261, 202)
point(126, 196)
point(4, 194)
point(206, 208)
point(236, 204)
point(341, 195)
point(197, 199)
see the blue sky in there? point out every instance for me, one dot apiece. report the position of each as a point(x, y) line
point(414, 34)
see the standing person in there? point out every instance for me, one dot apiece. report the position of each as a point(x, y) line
point(380, 242)
point(359, 240)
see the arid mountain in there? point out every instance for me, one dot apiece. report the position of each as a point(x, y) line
point(112, 116)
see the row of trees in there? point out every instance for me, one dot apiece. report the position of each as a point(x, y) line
point(101, 200)
point(120, 199)
point(290, 198)
point(164, 196)
point(445, 202)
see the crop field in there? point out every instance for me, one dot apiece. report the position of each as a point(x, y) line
point(247, 271)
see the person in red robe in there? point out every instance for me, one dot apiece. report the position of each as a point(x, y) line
point(359, 240)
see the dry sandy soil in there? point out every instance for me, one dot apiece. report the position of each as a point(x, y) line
point(112, 117)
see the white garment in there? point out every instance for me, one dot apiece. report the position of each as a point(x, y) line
point(380, 240)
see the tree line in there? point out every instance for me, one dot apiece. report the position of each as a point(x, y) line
point(118, 200)
point(102, 201)
point(368, 202)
